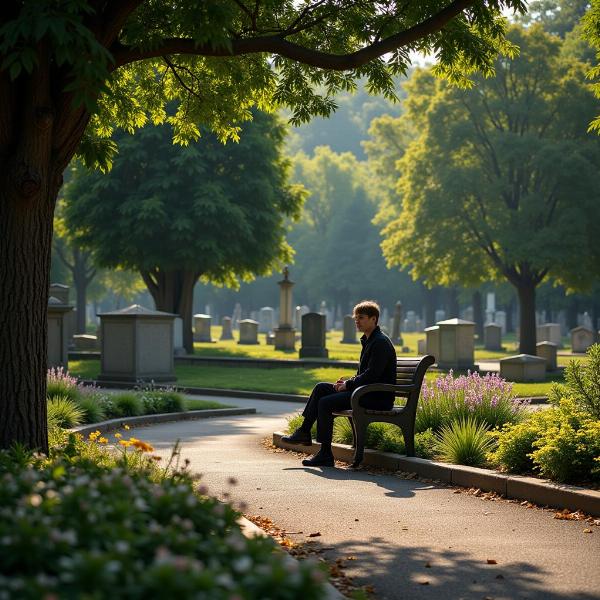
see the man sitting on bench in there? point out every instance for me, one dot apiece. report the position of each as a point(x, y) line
point(377, 365)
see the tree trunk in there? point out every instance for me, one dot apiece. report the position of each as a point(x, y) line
point(25, 246)
point(431, 296)
point(81, 282)
point(527, 337)
point(478, 314)
point(173, 291)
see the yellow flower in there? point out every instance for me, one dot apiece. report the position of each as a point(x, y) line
point(103, 440)
point(126, 427)
point(118, 435)
point(94, 435)
point(125, 443)
point(143, 446)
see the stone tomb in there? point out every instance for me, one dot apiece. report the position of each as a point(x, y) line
point(456, 344)
point(432, 341)
point(248, 332)
point(58, 333)
point(226, 329)
point(549, 332)
point(313, 336)
point(137, 345)
point(581, 339)
point(202, 324)
point(523, 368)
point(349, 330)
point(492, 337)
point(548, 351)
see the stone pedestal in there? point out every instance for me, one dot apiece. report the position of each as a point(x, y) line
point(456, 344)
point(547, 350)
point(285, 334)
point(137, 345)
point(226, 329)
point(61, 292)
point(202, 325)
point(58, 333)
point(581, 339)
point(432, 341)
point(349, 330)
point(523, 368)
point(248, 332)
point(313, 336)
point(549, 332)
point(492, 337)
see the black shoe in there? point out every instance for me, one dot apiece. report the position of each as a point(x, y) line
point(298, 437)
point(319, 460)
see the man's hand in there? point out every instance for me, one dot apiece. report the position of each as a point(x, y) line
point(340, 385)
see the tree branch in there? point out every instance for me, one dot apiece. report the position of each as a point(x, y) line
point(277, 44)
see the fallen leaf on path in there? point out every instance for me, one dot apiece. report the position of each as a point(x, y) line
point(317, 534)
point(491, 561)
point(428, 565)
point(587, 531)
point(423, 582)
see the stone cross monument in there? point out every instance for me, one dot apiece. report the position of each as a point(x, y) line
point(285, 334)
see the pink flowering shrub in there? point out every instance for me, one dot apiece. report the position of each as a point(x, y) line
point(488, 400)
point(60, 384)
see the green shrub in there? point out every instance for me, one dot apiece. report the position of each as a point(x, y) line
point(583, 381)
point(295, 421)
point(128, 404)
point(93, 410)
point(464, 442)
point(63, 412)
point(162, 401)
point(60, 384)
point(91, 526)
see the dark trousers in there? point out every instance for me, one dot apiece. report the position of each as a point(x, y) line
point(324, 401)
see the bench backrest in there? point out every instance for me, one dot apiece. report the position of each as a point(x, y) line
point(411, 371)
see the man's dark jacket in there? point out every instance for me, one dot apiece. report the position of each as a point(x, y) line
point(377, 365)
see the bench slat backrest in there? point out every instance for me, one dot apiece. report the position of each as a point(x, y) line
point(411, 371)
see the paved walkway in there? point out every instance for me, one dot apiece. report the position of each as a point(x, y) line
point(393, 527)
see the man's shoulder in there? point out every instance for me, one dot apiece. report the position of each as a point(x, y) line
point(382, 339)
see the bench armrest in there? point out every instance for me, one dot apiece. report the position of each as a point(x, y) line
point(359, 392)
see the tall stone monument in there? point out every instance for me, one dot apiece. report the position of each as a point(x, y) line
point(226, 333)
point(313, 336)
point(237, 316)
point(397, 324)
point(58, 333)
point(285, 334)
point(349, 330)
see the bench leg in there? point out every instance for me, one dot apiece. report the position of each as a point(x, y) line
point(409, 439)
point(353, 432)
point(360, 434)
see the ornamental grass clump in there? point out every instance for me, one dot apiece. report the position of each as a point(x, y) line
point(488, 400)
point(464, 441)
point(64, 412)
point(85, 523)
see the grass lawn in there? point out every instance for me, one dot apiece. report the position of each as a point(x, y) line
point(287, 380)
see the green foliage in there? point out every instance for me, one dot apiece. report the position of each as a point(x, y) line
point(561, 443)
point(127, 404)
point(64, 412)
point(161, 401)
point(464, 442)
point(583, 381)
point(92, 408)
point(97, 523)
point(60, 383)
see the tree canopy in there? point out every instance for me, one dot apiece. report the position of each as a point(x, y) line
point(176, 214)
point(497, 175)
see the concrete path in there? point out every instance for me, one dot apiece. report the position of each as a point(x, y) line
point(408, 539)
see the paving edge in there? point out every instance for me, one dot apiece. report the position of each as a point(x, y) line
point(112, 424)
point(250, 529)
point(535, 490)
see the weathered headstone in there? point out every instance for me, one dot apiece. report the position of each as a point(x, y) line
point(410, 324)
point(432, 341)
point(236, 317)
point(323, 311)
point(313, 336)
point(456, 344)
point(492, 337)
point(581, 339)
point(500, 319)
point(58, 334)
point(549, 332)
point(547, 350)
point(266, 319)
point(285, 334)
point(523, 367)
point(490, 307)
point(137, 345)
point(226, 332)
point(397, 324)
point(248, 332)
point(349, 330)
point(202, 323)
point(422, 347)
point(440, 315)
point(178, 348)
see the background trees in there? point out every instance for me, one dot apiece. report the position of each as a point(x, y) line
point(497, 175)
point(176, 214)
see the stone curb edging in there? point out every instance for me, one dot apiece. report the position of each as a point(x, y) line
point(249, 529)
point(112, 424)
point(534, 490)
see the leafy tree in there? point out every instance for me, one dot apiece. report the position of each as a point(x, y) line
point(72, 70)
point(502, 180)
point(207, 210)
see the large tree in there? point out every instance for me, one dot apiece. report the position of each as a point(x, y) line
point(502, 180)
point(72, 70)
point(207, 210)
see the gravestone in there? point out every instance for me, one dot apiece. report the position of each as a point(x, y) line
point(492, 337)
point(440, 315)
point(548, 351)
point(581, 339)
point(468, 314)
point(248, 332)
point(422, 347)
point(523, 368)
point(397, 324)
point(298, 314)
point(323, 311)
point(549, 332)
point(266, 319)
point(285, 335)
point(178, 348)
point(226, 332)
point(202, 324)
point(432, 341)
point(61, 292)
point(410, 323)
point(349, 330)
point(490, 307)
point(313, 336)
point(236, 317)
point(85, 343)
point(500, 319)
point(58, 333)
point(137, 345)
point(456, 344)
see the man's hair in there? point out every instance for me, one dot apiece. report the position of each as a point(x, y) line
point(367, 307)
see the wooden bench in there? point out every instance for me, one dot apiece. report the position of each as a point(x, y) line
point(410, 373)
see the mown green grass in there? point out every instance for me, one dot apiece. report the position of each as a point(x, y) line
point(285, 380)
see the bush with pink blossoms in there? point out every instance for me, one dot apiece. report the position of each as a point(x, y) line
point(487, 399)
